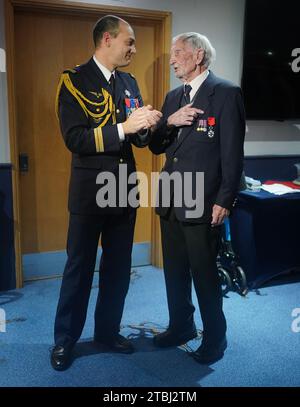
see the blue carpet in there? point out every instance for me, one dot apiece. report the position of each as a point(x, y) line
point(262, 350)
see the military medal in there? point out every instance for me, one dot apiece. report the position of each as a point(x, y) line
point(202, 125)
point(131, 105)
point(211, 123)
point(127, 93)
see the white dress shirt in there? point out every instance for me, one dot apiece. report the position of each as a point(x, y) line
point(196, 83)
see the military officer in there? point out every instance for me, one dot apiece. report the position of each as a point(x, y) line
point(101, 115)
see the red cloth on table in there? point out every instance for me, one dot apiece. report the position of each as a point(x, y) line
point(287, 183)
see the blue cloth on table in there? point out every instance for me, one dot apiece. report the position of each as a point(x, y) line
point(265, 234)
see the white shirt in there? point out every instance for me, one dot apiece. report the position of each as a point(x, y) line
point(107, 74)
point(196, 83)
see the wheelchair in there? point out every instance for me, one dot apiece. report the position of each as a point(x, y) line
point(231, 274)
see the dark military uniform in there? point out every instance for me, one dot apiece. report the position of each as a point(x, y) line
point(88, 112)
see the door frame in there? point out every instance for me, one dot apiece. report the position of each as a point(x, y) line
point(162, 21)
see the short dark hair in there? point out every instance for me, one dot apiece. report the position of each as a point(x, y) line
point(107, 23)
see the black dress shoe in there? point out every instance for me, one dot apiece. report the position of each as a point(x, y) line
point(171, 338)
point(206, 354)
point(60, 357)
point(115, 343)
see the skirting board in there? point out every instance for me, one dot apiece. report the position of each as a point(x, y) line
point(51, 264)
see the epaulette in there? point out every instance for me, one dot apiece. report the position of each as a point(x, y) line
point(133, 77)
point(70, 71)
point(63, 77)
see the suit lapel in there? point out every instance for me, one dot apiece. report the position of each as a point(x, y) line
point(175, 105)
point(177, 98)
point(201, 101)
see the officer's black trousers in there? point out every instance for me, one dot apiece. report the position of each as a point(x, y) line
point(114, 275)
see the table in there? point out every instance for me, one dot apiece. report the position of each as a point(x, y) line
point(265, 234)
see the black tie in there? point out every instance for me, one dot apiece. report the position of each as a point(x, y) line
point(187, 90)
point(112, 85)
point(184, 101)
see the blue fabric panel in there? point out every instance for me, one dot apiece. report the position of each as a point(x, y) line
point(266, 168)
point(265, 233)
point(7, 252)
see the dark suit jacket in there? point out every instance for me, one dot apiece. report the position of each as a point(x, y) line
point(219, 157)
point(83, 105)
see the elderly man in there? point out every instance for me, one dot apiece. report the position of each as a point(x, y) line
point(202, 132)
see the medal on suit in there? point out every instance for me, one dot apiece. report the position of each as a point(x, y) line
point(211, 124)
point(202, 125)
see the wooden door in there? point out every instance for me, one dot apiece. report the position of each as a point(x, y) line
point(45, 45)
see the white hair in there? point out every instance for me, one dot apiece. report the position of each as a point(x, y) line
point(199, 41)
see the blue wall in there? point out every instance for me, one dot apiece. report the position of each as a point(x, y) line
point(7, 252)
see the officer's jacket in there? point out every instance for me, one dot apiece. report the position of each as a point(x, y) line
point(212, 145)
point(88, 118)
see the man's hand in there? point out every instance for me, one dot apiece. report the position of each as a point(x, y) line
point(218, 215)
point(185, 116)
point(153, 116)
point(142, 118)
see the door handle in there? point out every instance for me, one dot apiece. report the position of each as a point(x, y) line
point(23, 162)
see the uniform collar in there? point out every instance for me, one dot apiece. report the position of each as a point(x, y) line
point(106, 72)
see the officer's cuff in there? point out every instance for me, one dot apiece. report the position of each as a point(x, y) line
point(121, 132)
